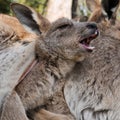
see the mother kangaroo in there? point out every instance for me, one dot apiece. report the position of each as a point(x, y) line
point(92, 90)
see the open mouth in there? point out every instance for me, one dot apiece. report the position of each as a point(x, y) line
point(86, 41)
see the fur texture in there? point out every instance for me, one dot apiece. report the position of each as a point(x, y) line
point(103, 10)
point(92, 87)
point(59, 46)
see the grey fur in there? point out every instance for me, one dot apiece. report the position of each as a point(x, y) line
point(92, 87)
point(57, 49)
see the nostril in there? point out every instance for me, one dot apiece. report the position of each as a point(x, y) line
point(91, 26)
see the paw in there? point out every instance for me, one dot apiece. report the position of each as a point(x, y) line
point(46, 115)
point(59, 117)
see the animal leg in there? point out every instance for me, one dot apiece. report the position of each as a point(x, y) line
point(13, 109)
point(46, 115)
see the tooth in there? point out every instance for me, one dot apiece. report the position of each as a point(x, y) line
point(90, 47)
point(96, 32)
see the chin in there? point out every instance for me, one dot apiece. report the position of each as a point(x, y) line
point(79, 58)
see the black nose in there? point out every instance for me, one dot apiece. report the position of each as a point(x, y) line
point(91, 26)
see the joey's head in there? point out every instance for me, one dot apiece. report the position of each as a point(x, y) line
point(70, 40)
point(63, 38)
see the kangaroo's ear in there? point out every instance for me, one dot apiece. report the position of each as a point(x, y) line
point(30, 19)
point(96, 10)
point(93, 4)
point(110, 7)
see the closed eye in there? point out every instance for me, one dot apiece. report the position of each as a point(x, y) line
point(64, 26)
point(61, 24)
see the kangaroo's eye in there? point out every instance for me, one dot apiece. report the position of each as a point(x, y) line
point(61, 25)
point(64, 26)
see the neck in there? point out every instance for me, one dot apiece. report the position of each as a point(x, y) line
point(65, 66)
point(58, 66)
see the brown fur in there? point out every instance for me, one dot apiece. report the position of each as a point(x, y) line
point(95, 7)
point(6, 33)
point(15, 25)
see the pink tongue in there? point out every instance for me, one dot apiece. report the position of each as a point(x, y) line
point(88, 47)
